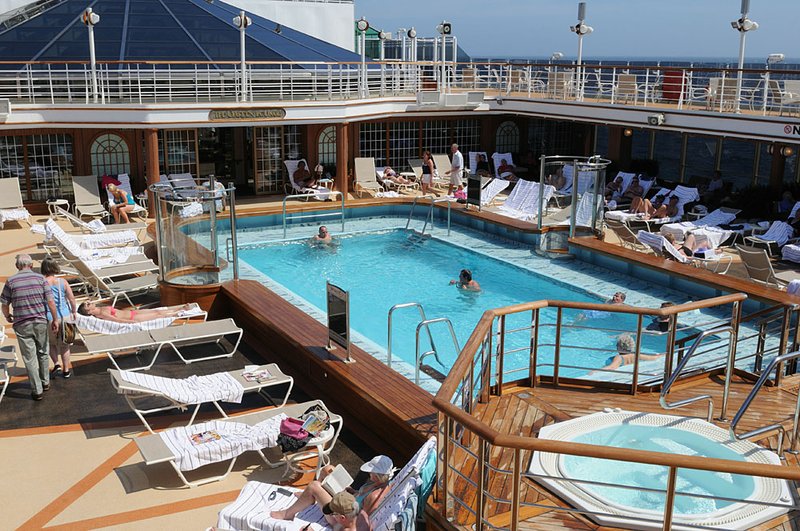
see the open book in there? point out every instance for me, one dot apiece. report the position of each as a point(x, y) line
point(337, 481)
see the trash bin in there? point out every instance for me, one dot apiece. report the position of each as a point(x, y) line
point(671, 88)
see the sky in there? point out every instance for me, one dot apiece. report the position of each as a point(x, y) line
point(660, 29)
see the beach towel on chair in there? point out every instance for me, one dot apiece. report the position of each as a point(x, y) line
point(192, 390)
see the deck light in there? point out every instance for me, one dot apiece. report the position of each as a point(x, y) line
point(362, 25)
point(90, 18)
point(742, 25)
point(787, 151)
point(580, 29)
point(627, 131)
point(241, 21)
point(444, 28)
point(557, 56)
point(412, 33)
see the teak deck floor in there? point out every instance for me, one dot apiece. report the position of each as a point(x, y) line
point(523, 411)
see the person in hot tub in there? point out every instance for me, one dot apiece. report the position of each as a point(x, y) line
point(626, 348)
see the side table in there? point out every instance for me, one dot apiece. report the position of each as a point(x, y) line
point(53, 203)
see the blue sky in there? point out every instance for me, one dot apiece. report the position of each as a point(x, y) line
point(622, 28)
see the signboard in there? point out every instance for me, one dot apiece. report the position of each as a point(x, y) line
point(264, 113)
point(474, 191)
point(338, 318)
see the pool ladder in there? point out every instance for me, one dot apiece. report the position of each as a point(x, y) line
point(424, 323)
point(429, 214)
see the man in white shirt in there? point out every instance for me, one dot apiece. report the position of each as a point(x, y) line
point(456, 169)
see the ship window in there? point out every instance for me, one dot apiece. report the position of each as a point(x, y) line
point(700, 159)
point(436, 136)
point(403, 144)
point(601, 140)
point(12, 161)
point(372, 143)
point(668, 154)
point(274, 144)
point(110, 155)
point(738, 162)
point(179, 149)
point(468, 135)
point(49, 166)
point(764, 164)
point(507, 138)
point(326, 149)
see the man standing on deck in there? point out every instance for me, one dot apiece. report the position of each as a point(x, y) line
point(30, 296)
point(456, 169)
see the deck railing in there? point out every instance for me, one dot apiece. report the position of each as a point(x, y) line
point(474, 484)
point(705, 89)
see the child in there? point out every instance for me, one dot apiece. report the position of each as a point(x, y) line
point(460, 193)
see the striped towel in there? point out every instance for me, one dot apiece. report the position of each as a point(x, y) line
point(225, 440)
point(192, 390)
point(103, 326)
point(14, 214)
point(121, 237)
point(252, 509)
point(791, 252)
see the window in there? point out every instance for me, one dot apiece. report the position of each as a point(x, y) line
point(507, 137)
point(601, 140)
point(668, 155)
point(372, 142)
point(701, 156)
point(436, 136)
point(738, 162)
point(326, 149)
point(180, 149)
point(468, 135)
point(640, 146)
point(110, 156)
point(274, 144)
point(49, 166)
point(550, 137)
point(403, 144)
point(12, 162)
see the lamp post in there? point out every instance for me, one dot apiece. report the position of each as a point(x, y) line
point(772, 59)
point(241, 21)
point(580, 29)
point(382, 36)
point(412, 36)
point(90, 18)
point(444, 29)
point(743, 25)
point(363, 26)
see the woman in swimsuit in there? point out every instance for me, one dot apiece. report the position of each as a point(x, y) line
point(380, 469)
point(123, 203)
point(109, 313)
point(427, 172)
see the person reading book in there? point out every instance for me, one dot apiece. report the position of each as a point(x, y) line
point(380, 469)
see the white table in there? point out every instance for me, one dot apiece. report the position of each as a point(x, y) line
point(53, 203)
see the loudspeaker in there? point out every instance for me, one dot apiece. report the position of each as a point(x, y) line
point(656, 119)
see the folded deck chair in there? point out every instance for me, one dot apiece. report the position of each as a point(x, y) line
point(87, 197)
point(184, 186)
point(252, 508)
point(176, 337)
point(317, 192)
point(778, 234)
point(491, 189)
point(525, 206)
point(443, 165)
point(140, 389)
point(759, 267)
point(125, 184)
point(11, 207)
point(365, 177)
point(189, 448)
point(720, 216)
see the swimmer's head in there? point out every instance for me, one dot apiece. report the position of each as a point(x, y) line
point(465, 275)
point(625, 344)
point(323, 231)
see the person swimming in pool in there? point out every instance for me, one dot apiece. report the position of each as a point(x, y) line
point(465, 281)
point(617, 298)
point(323, 236)
point(626, 348)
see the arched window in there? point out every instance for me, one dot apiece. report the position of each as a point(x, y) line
point(110, 155)
point(326, 149)
point(507, 137)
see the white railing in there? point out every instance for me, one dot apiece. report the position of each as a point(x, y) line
point(703, 89)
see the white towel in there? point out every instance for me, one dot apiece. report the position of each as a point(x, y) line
point(227, 440)
point(791, 252)
point(252, 509)
point(191, 210)
point(96, 226)
point(108, 239)
point(220, 386)
point(38, 228)
point(104, 326)
point(14, 214)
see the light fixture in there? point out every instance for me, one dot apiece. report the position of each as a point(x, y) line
point(278, 28)
point(412, 33)
point(89, 17)
point(787, 151)
point(499, 100)
point(742, 25)
point(383, 35)
point(580, 29)
point(774, 58)
point(243, 21)
point(445, 28)
point(362, 24)
point(557, 56)
point(627, 131)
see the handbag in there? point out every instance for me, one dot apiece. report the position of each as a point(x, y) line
point(67, 332)
point(292, 436)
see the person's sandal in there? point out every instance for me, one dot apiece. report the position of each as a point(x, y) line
point(56, 369)
point(67, 374)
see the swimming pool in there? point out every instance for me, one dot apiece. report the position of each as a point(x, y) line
point(383, 266)
point(659, 433)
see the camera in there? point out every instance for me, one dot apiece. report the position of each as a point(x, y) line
point(656, 119)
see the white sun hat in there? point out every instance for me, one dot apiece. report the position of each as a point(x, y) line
point(380, 464)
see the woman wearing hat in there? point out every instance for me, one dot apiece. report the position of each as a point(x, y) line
point(380, 470)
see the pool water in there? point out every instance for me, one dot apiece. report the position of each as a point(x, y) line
point(657, 439)
point(389, 267)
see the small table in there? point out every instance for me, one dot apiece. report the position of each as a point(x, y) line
point(325, 183)
point(53, 203)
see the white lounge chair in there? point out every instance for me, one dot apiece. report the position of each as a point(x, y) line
point(87, 197)
point(390, 184)
point(140, 390)
point(228, 438)
point(663, 248)
point(365, 177)
point(90, 323)
point(99, 240)
point(8, 356)
point(523, 201)
point(720, 216)
point(173, 336)
point(491, 189)
point(778, 234)
point(473, 161)
point(759, 268)
point(443, 165)
point(317, 192)
point(11, 207)
point(252, 508)
point(497, 161)
point(125, 184)
point(96, 227)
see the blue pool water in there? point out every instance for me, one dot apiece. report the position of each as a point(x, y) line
point(386, 268)
point(657, 439)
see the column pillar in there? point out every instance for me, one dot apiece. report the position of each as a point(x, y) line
point(152, 170)
point(620, 147)
point(777, 168)
point(341, 182)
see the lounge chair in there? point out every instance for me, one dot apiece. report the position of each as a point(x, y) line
point(90, 323)
point(663, 248)
point(490, 190)
point(523, 201)
point(416, 167)
point(317, 192)
point(125, 184)
point(96, 227)
point(586, 181)
point(583, 216)
point(11, 207)
point(230, 437)
point(173, 336)
point(720, 216)
point(409, 487)
point(365, 177)
point(443, 165)
point(8, 356)
point(778, 234)
point(791, 253)
point(497, 161)
point(473, 161)
point(759, 268)
point(180, 393)
point(184, 186)
point(388, 183)
point(119, 238)
point(87, 197)
point(626, 236)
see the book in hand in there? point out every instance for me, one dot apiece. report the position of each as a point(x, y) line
point(205, 437)
point(337, 480)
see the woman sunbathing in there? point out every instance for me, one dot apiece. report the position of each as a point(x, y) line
point(655, 210)
point(109, 313)
point(390, 175)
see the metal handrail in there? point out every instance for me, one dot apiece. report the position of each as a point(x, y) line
point(315, 215)
point(389, 326)
point(420, 357)
point(682, 365)
point(775, 362)
point(434, 199)
point(414, 204)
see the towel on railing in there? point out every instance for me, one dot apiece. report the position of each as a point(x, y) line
point(216, 441)
point(192, 390)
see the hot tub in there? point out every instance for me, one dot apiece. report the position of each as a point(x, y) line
point(642, 508)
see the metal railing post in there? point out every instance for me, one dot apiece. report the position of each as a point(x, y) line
point(480, 499)
point(637, 351)
point(234, 240)
point(736, 316)
point(672, 481)
point(557, 354)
